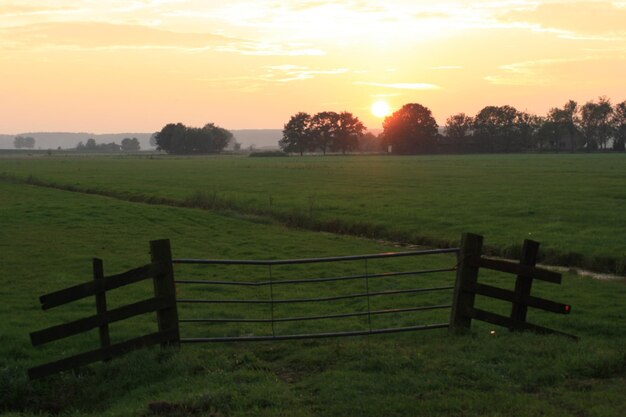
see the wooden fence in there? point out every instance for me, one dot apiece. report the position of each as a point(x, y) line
point(160, 270)
point(470, 260)
point(163, 303)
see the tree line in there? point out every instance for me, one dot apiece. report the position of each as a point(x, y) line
point(176, 138)
point(325, 131)
point(412, 129)
point(27, 142)
point(128, 145)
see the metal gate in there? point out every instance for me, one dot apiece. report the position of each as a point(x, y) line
point(269, 298)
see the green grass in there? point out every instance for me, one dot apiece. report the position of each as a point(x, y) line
point(47, 238)
point(572, 204)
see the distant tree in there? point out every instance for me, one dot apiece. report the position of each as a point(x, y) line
point(565, 121)
point(369, 142)
point(497, 129)
point(91, 144)
point(458, 126)
point(152, 141)
point(619, 126)
point(297, 134)
point(130, 144)
point(20, 142)
point(347, 132)
point(410, 130)
point(595, 122)
point(546, 134)
point(216, 138)
point(171, 137)
point(108, 147)
point(458, 130)
point(180, 139)
point(324, 128)
point(528, 126)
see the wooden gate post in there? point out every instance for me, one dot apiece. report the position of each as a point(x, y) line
point(164, 286)
point(466, 277)
point(523, 284)
point(101, 304)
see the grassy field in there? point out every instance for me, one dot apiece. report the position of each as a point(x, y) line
point(48, 236)
point(573, 204)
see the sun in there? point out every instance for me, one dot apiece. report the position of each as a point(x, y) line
point(380, 108)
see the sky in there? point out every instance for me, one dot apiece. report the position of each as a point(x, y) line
point(134, 66)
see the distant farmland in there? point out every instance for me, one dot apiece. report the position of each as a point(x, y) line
point(573, 204)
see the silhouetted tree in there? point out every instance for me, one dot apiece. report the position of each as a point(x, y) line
point(457, 132)
point(595, 122)
point(458, 126)
point(369, 142)
point(91, 144)
point(171, 138)
point(410, 130)
point(218, 138)
point(108, 147)
point(619, 126)
point(565, 122)
point(180, 139)
point(497, 129)
point(528, 126)
point(546, 134)
point(297, 134)
point(347, 132)
point(20, 142)
point(324, 126)
point(152, 140)
point(130, 144)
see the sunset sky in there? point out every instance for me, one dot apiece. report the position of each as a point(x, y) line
point(133, 66)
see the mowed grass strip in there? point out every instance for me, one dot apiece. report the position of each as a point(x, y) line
point(49, 237)
point(573, 204)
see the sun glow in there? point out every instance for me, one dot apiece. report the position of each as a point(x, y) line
point(380, 108)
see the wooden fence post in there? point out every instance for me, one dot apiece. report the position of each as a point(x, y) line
point(466, 276)
point(101, 304)
point(523, 283)
point(164, 286)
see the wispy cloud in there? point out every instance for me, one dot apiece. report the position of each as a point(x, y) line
point(271, 74)
point(106, 36)
point(578, 18)
point(589, 70)
point(286, 73)
point(400, 86)
point(447, 67)
point(268, 49)
point(86, 35)
point(525, 73)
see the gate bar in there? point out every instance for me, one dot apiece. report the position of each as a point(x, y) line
point(313, 335)
point(313, 280)
point(304, 300)
point(312, 260)
point(332, 316)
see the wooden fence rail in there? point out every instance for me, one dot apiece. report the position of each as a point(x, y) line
point(163, 303)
